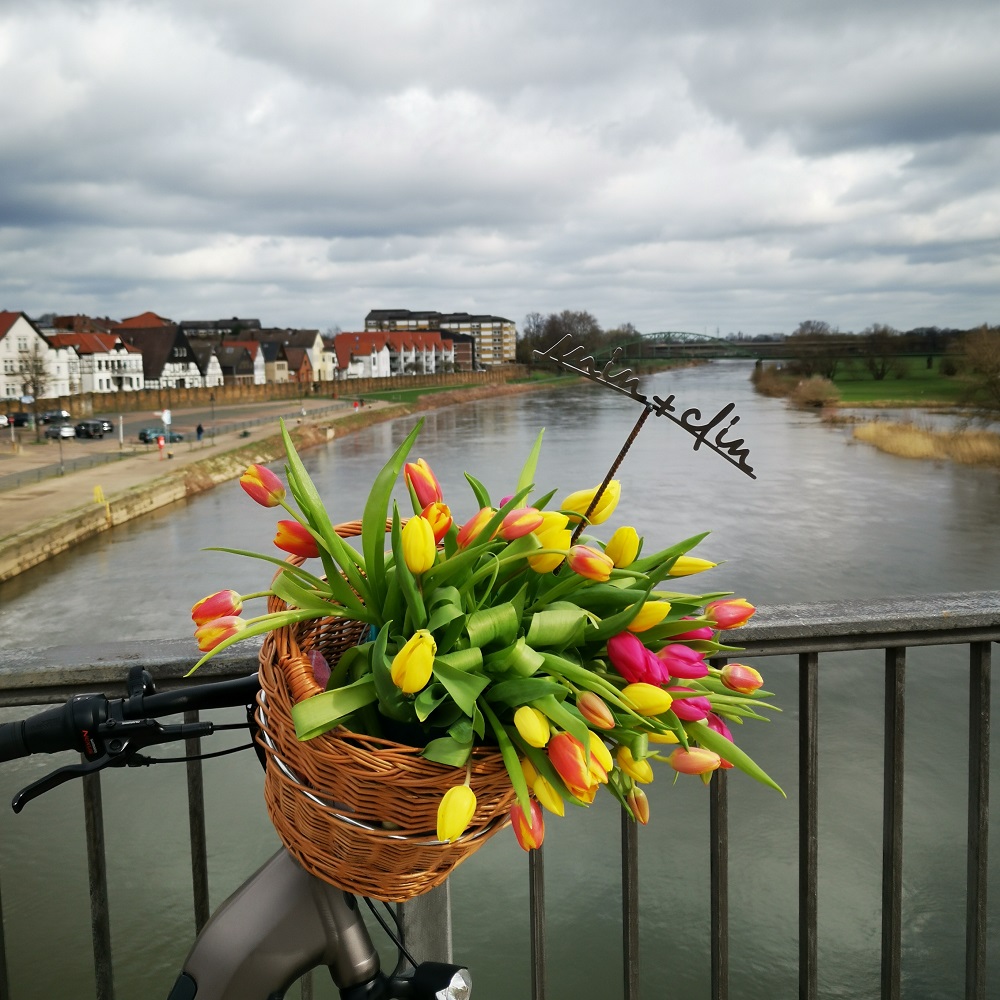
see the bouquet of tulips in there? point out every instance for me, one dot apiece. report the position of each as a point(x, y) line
point(515, 628)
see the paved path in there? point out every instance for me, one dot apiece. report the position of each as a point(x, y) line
point(29, 504)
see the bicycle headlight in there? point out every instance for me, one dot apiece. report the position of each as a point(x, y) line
point(437, 981)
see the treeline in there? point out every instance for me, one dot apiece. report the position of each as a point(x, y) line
point(539, 333)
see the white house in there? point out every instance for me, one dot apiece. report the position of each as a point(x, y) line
point(106, 362)
point(21, 346)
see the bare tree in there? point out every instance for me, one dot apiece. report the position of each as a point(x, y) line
point(981, 348)
point(33, 370)
point(880, 347)
point(816, 348)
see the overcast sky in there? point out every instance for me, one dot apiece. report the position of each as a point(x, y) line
point(676, 164)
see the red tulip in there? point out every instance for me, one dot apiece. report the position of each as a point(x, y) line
point(263, 486)
point(224, 603)
point(568, 758)
point(530, 831)
point(741, 678)
point(423, 482)
point(296, 538)
point(729, 613)
point(212, 633)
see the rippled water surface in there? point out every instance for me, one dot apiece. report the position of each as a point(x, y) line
point(824, 519)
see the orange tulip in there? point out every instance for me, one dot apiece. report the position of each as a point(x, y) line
point(296, 538)
point(529, 830)
point(263, 486)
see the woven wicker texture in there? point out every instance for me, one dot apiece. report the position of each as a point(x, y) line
point(357, 811)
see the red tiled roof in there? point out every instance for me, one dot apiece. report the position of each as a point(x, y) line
point(142, 321)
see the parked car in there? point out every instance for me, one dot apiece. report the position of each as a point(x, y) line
point(106, 425)
point(20, 419)
point(4, 421)
point(90, 429)
point(60, 430)
point(148, 435)
point(52, 416)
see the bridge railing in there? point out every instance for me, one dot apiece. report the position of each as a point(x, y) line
point(808, 632)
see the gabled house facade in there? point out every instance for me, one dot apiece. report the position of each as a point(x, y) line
point(309, 340)
point(275, 362)
point(28, 364)
point(168, 362)
point(207, 362)
point(230, 359)
point(378, 354)
point(105, 362)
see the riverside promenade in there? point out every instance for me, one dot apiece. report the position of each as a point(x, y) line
point(46, 513)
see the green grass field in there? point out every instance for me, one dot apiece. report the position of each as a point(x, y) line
point(921, 385)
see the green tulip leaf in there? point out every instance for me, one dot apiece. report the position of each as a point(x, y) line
point(447, 750)
point(323, 712)
point(464, 687)
point(527, 476)
point(524, 690)
point(496, 624)
point(560, 627)
point(711, 740)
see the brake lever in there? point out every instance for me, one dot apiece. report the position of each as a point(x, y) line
point(121, 741)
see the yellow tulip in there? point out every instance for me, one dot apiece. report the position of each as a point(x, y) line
point(638, 770)
point(599, 750)
point(689, 565)
point(647, 699)
point(532, 725)
point(548, 796)
point(419, 549)
point(411, 666)
point(455, 812)
point(623, 546)
point(651, 613)
point(579, 502)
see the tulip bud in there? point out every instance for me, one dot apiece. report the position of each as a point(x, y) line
point(623, 546)
point(455, 812)
point(682, 661)
point(519, 522)
point(529, 830)
point(423, 482)
point(589, 563)
point(637, 770)
point(223, 604)
point(639, 805)
point(692, 709)
point(689, 565)
point(212, 633)
point(695, 760)
point(472, 528)
point(296, 538)
point(651, 613)
point(532, 725)
point(438, 516)
point(419, 549)
point(595, 710)
point(741, 678)
point(647, 699)
point(730, 613)
point(263, 486)
point(411, 666)
point(578, 503)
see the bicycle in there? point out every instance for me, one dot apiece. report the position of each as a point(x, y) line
point(282, 921)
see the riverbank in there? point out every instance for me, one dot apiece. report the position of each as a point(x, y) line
point(46, 518)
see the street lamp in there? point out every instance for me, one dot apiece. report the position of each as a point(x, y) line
point(211, 399)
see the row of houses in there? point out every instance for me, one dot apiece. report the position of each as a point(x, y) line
point(58, 356)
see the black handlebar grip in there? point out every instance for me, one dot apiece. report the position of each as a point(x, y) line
point(12, 743)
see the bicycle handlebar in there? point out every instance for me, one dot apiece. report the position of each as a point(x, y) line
point(112, 731)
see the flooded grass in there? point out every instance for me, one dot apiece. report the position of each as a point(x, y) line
point(908, 440)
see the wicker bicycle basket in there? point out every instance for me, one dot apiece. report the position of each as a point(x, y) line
point(358, 811)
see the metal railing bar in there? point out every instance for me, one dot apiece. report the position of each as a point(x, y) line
point(196, 826)
point(808, 822)
point(979, 803)
point(4, 978)
point(824, 643)
point(630, 906)
point(719, 874)
point(892, 824)
point(100, 918)
point(536, 890)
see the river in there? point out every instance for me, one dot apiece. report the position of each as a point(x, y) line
point(824, 519)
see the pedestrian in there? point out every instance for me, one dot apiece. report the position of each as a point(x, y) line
point(355, 404)
point(200, 431)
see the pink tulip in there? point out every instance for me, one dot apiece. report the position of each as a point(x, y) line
point(263, 486)
point(296, 538)
point(224, 603)
point(633, 661)
point(702, 632)
point(729, 613)
point(689, 709)
point(713, 721)
point(683, 662)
